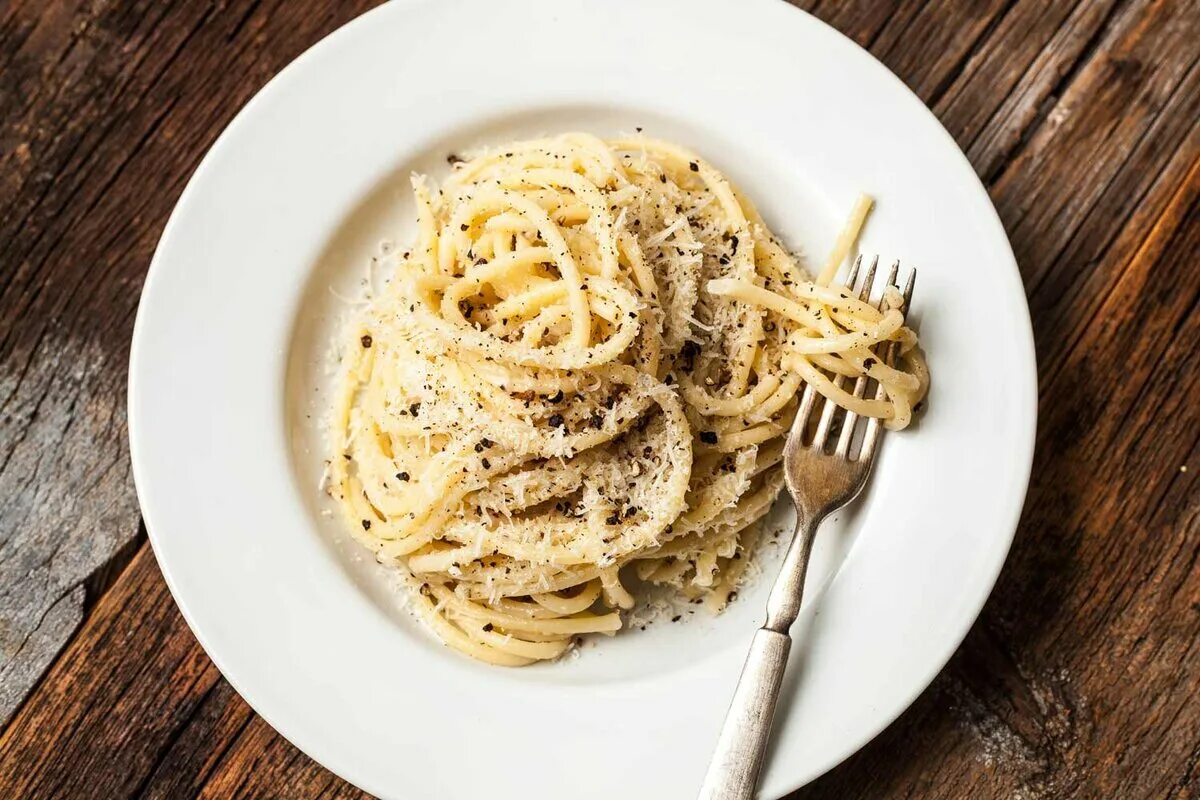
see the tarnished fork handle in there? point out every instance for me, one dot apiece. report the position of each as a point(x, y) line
point(819, 484)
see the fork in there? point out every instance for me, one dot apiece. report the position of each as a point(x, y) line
point(819, 483)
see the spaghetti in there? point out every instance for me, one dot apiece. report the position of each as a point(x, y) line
point(581, 373)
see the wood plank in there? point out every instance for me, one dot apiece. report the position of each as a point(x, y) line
point(199, 746)
point(1071, 281)
point(1090, 133)
point(134, 708)
point(105, 109)
point(115, 699)
point(927, 44)
point(1008, 85)
point(262, 763)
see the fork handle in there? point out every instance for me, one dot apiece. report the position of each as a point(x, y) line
point(733, 773)
point(742, 746)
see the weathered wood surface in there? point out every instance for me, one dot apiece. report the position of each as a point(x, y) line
point(1079, 680)
point(105, 110)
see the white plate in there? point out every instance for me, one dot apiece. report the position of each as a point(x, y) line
point(295, 196)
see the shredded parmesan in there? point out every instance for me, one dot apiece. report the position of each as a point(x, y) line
point(582, 371)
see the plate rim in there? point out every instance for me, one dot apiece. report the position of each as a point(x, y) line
point(1024, 448)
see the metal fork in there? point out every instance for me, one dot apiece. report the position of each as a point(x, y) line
point(820, 483)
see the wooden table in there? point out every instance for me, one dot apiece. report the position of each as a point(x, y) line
point(1079, 680)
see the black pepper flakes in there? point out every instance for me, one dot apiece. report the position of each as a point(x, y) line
point(486, 464)
point(487, 627)
point(557, 397)
point(689, 351)
point(708, 437)
point(694, 167)
point(868, 363)
point(402, 476)
point(366, 341)
point(556, 420)
point(366, 523)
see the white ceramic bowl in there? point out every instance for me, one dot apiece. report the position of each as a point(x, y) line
point(227, 379)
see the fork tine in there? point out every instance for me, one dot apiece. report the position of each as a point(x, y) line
point(869, 279)
point(864, 292)
point(823, 426)
point(802, 413)
point(847, 435)
point(908, 291)
point(870, 439)
point(854, 270)
point(825, 423)
point(871, 436)
point(875, 427)
point(860, 385)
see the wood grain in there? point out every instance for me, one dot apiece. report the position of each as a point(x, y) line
point(105, 110)
point(1078, 681)
point(114, 700)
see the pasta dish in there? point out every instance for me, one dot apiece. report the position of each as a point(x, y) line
point(577, 384)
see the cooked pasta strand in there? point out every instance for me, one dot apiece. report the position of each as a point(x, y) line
point(583, 371)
